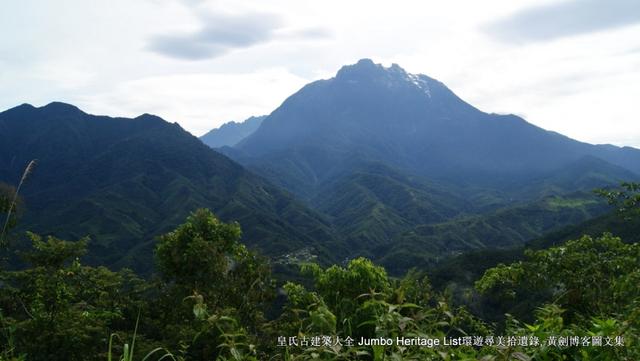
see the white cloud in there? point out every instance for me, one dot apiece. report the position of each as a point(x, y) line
point(96, 55)
point(565, 18)
point(191, 98)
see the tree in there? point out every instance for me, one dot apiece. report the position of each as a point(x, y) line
point(204, 256)
point(360, 300)
point(345, 289)
point(60, 309)
point(587, 276)
point(198, 254)
point(209, 274)
point(626, 199)
point(592, 289)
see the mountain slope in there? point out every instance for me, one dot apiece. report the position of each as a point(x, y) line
point(125, 181)
point(373, 204)
point(229, 134)
point(612, 222)
point(407, 171)
point(412, 122)
point(389, 165)
point(585, 174)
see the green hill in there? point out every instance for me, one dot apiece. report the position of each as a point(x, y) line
point(125, 181)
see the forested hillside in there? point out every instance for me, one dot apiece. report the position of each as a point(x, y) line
point(123, 182)
point(409, 173)
point(214, 299)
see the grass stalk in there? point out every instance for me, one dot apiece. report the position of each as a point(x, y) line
point(28, 170)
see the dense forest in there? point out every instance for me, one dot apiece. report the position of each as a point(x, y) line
point(212, 298)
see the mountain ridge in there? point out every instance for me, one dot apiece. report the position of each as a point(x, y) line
point(230, 133)
point(321, 141)
point(125, 181)
point(375, 161)
point(367, 108)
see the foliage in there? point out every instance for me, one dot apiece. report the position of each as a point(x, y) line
point(360, 300)
point(345, 289)
point(203, 264)
point(589, 276)
point(211, 298)
point(59, 309)
point(203, 256)
point(199, 252)
point(626, 199)
point(591, 287)
point(128, 351)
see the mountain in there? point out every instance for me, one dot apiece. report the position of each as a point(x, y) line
point(627, 229)
point(407, 172)
point(125, 181)
point(413, 122)
point(374, 162)
point(229, 134)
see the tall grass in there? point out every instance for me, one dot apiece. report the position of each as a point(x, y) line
point(127, 351)
point(28, 170)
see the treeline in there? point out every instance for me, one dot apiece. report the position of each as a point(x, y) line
point(213, 299)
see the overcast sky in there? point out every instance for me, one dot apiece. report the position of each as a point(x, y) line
point(569, 66)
